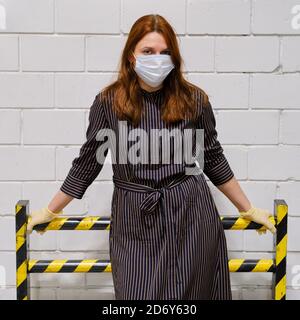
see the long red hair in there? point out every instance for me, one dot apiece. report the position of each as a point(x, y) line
point(178, 92)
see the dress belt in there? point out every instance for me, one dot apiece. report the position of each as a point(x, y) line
point(150, 202)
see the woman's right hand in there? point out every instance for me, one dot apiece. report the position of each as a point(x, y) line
point(41, 216)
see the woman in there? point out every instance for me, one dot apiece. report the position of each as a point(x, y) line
point(166, 237)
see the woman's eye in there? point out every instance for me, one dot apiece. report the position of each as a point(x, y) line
point(163, 52)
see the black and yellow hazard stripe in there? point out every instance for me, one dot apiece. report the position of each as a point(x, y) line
point(251, 265)
point(22, 284)
point(237, 223)
point(281, 212)
point(75, 223)
point(25, 266)
point(96, 265)
point(103, 223)
point(69, 266)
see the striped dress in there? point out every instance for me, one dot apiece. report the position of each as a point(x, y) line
point(166, 239)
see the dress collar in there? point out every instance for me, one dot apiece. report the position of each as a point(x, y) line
point(153, 93)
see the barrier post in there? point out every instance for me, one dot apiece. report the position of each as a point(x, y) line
point(280, 244)
point(22, 279)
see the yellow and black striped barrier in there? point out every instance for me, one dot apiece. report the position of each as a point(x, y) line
point(279, 287)
point(22, 281)
point(95, 265)
point(24, 266)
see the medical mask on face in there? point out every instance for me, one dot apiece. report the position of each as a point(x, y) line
point(154, 68)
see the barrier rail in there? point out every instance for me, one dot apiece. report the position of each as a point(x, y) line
point(25, 266)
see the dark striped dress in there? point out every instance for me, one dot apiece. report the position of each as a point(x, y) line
point(166, 238)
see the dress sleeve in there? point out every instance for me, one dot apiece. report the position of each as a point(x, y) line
point(216, 166)
point(85, 168)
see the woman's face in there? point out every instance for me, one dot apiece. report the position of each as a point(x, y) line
point(151, 43)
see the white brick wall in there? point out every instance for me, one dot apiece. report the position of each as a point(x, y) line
point(53, 60)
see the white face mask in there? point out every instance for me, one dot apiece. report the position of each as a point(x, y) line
point(154, 68)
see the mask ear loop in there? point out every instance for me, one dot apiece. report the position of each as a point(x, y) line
point(134, 55)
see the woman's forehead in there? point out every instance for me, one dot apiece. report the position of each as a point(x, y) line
point(153, 40)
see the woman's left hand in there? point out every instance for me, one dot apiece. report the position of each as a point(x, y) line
point(260, 216)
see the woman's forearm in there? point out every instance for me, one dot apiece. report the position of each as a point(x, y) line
point(59, 201)
point(235, 194)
